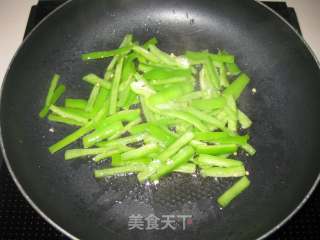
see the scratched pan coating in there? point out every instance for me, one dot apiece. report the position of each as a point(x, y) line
point(285, 112)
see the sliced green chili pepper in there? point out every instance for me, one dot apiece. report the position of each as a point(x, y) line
point(101, 134)
point(160, 73)
point(179, 159)
point(94, 80)
point(93, 97)
point(105, 54)
point(140, 152)
point(75, 103)
point(233, 191)
point(125, 129)
point(189, 118)
point(216, 149)
point(124, 140)
point(209, 104)
point(249, 149)
point(110, 153)
point(244, 120)
point(186, 168)
point(118, 170)
point(233, 69)
point(237, 86)
point(145, 53)
point(115, 88)
point(217, 161)
point(116, 162)
point(174, 147)
point(53, 95)
point(237, 171)
point(67, 114)
point(151, 41)
point(57, 118)
point(75, 153)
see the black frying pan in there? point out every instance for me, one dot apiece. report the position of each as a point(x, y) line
point(285, 112)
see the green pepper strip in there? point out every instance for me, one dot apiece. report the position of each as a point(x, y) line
point(186, 168)
point(222, 58)
point(249, 149)
point(161, 73)
point(75, 103)
point(78, 112)
point(127, 41)
point(232, 113)
point(233, 69)
point(110, 153)
point(116, 162)
point(123, 141)
point(197, 57)
point(140, 152)
point(189, 118)
point(212, 75)
point(125, 129)
point(210, 136)
point(142, 67)
point(233, 191)
point(75, 153)
point(207, 118)
point(125, 115)
point(237, 86)
point(49, 99)
point(151, 41)
point(209, 104)
point(236, 171)
point(179, 159)
point(217, 161)
point(223, 76)
point(105, 54)
point(118, 170)
point(101, 99)
point(141, 87)
point(169, 81)
point(206, 85)
point(191, 96)
point(94, 80)
point(146, 111)
point(59, 119)
point(145, 53)
point(115, 88)
point(67, 114)
point(56, 95)
point(80, 132)
point(162, 56)
point(216, 149)
point(52, 88)
point(160, 134)
point(169, 94)
point(131, 99)
point(101, 134)
point(221, 138)
point(92, 98)
point(174, 147)
point(244, 120)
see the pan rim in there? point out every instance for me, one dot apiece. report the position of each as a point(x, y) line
point(71, 236)
point(316, 182)
point(6, 160)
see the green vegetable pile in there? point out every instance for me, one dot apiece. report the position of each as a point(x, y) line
point(154, 113)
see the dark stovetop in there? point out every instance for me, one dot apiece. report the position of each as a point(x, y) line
point(19, 221)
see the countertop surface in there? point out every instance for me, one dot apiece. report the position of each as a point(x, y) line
point(14, 15)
